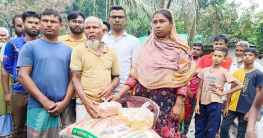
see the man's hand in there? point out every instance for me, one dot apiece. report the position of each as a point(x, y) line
point(225, 112)
point(91, 109)
point(246, 116)
point(106, 92)
point(48, 104)
point(176, 112)
point(115, 97)
point(217, 91)
point(59, 108)
point(197, 108)
point(7, 98)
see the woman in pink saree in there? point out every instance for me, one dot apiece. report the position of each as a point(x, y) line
point(161, 72)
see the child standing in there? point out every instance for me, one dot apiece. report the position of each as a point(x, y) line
point(241, 100)
point(209, 101)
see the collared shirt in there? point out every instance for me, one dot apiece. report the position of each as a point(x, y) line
point(126, 47)
point(10, 59)
point(96, 71)
point(206, 61)
point(234, 66)
point(70, 42)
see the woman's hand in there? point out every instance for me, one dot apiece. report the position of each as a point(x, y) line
point(176, 112)
point(115, 97)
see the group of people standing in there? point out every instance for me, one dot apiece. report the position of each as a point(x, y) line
point(59, 80)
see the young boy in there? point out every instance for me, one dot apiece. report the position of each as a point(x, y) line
point(209, 94)
point(241, 101)
point(207, 61)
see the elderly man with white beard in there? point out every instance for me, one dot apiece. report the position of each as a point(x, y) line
point(5, 116)
point(238, 60)
point(95, 70)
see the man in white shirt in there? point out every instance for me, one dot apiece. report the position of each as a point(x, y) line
point(125, 45)
point(238, 61)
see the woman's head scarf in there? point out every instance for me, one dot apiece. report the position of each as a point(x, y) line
point(163, 64)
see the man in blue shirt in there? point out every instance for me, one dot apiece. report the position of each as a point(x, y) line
point(45, 74)
point(19, 31)
point(19, 97)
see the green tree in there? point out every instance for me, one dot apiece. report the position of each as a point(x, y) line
point(205, 17)
point(258, 38)
point(235, 22)
point(9, 8)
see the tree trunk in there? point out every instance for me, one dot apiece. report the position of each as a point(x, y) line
point(10, 29)
point(191, 38)
point(140, 31)
point(198, 10)
point(192, 32)
point(162, 2)
point(106, 11)
point(216, 22)
point(168, 4)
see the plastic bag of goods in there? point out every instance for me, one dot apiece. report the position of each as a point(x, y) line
point(110, 127)
point(139, 118)
point(107, 109)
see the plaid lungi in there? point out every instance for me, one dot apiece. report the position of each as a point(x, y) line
point(40, 124)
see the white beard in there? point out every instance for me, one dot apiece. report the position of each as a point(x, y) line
point(239, 59)
point(1, 44)
point(94, 44)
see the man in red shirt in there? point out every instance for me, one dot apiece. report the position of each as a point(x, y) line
point(206, 60)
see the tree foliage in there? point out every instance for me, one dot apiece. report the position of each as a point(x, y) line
point(258, 38)
point(232, 20)
point(194, 17)
point(9, 8)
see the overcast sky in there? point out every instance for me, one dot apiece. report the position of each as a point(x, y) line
point(246, 3)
